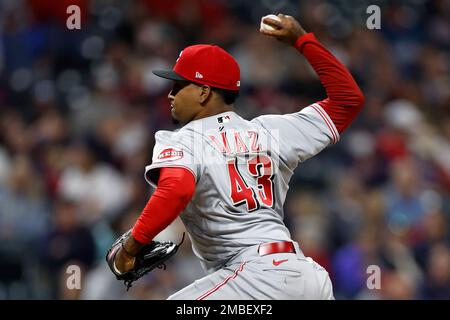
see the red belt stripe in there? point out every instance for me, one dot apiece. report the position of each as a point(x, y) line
point(276, 247)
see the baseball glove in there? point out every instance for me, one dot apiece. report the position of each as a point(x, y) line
point(151, 256)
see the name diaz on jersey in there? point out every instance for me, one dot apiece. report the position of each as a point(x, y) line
point(241, 142)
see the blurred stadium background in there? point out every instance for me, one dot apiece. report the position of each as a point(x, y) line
point(78, 111)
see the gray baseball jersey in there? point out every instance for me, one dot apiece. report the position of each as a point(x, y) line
point(242, 169)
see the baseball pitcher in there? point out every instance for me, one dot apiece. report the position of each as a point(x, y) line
point(227, 177)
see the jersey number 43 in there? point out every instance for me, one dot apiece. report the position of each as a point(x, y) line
point(260, 168)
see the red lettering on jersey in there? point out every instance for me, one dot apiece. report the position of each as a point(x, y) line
point(218, 145)
point(255, 147)
point(240, 192)
point(261, 168)
point(225, 142)
point(170, 154)
point(240, 145)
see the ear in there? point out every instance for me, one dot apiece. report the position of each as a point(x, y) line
point(205, 93)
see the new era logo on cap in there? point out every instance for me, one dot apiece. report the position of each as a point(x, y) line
point(179, 56)
point(205, 64)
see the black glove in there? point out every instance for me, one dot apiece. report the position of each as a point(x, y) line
point(151, 256)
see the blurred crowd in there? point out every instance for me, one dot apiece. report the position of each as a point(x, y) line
point(79, 109)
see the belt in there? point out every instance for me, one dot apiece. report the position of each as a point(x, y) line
point(276, 247)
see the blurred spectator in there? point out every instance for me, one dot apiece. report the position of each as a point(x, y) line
point(68, 243)
point(350, 263)
point(404, 208)
point(396, 286)
point(24, 215)
point(437, 284)
point(97, 188)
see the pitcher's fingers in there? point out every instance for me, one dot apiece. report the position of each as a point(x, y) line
point(273, 23)
point(272, 33)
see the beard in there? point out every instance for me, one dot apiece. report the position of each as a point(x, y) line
point(175, 121)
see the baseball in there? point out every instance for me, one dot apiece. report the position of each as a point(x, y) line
point(264, 26)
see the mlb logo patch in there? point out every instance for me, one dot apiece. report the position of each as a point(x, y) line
point(170, 154)
point(223, 119)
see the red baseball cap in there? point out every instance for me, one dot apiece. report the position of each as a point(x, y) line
point(205, 64)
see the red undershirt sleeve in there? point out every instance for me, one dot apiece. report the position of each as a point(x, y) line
point(175, 188)
point(345, 98)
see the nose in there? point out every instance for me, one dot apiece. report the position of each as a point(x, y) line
point(170, 96)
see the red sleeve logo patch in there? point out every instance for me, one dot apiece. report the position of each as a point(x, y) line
point(170, 154)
